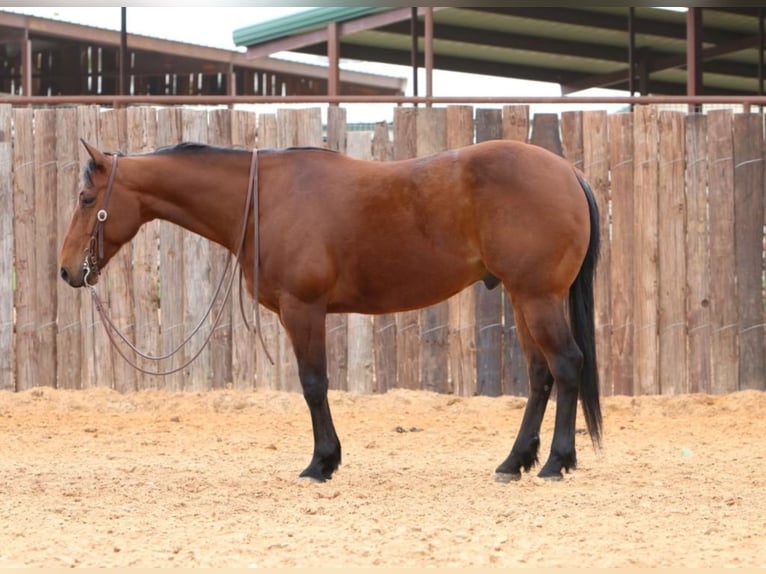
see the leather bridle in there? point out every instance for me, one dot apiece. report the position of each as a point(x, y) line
point(94, 256)
point(94, 252)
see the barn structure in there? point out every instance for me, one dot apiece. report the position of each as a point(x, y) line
point(45, 57)
point(576, 47)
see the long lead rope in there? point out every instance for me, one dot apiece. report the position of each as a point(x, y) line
point(112, 330)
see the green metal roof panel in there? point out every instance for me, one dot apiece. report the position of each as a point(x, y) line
point(299, 23)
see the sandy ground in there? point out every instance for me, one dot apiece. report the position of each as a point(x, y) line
point(95, 478)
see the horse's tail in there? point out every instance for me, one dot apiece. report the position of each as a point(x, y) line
point(581, 317)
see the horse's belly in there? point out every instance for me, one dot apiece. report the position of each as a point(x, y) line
point(404, 285)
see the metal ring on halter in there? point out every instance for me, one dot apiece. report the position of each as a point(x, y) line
point(102, 215)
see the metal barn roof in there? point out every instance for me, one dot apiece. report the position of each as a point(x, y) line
point(577, 48)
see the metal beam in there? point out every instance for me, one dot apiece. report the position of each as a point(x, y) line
point(333, 59)
point(664, 62)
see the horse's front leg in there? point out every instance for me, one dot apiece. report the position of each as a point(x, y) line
point(305, 325)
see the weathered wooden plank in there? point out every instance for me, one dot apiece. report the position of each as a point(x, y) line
point(171, 270)
point(596, 168)
point(69, 332)
point(96, 365)
point(697, 256)
point(646, 287)
point(336, 323)
point(243, 340)
point(7, 270)
point(749, 238)
point(515, 380)
point(197, 281)
point(461, 307)
point(383, 326)
point(141, 138)
point(408, 324)
point(723, 289)
point(361, 358)
point(572, 133)
point(545, 132)
point(219, 133)
point(516, 122)
point(434, 320)
point(270, 376)
point(621, 271)
point(45, 244)
point(489, 304)
point(672, 254)
point(117, 279)
point(25, 223)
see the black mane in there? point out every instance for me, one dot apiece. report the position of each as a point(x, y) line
point(194, 147)
point(199, 148)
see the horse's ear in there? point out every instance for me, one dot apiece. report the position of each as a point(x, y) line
point(95, 154)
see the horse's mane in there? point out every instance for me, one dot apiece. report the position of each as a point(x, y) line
point(193, 147)
point(200, 148)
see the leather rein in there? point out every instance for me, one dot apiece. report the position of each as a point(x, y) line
point(94, 255)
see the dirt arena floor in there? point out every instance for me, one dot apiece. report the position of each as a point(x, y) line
point(96, 478)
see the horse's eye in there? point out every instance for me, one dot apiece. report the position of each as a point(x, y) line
point(87, 200)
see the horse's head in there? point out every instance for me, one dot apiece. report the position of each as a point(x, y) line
point(104, 219)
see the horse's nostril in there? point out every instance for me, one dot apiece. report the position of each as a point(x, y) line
point(65, 274)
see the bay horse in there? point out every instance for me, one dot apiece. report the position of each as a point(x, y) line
point(340, 235)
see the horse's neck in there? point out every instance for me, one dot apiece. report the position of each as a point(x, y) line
point(196, 199)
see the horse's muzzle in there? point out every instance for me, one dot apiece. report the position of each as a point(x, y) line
point(73, 279)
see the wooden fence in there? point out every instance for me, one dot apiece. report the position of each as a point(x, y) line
point(680, 287)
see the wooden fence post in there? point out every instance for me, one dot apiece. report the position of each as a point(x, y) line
point(116, 281)
point(7, 242)
point(69, 346)
point(621, 276)
point(697, 255)
point(171, 237)
point(672, 254)
point(596, 168)
point(723, 289)
point(434, 320)
point(197, 280)
point(270, 376)
point(646, 275)
point(489, 304)
point(142, 137)
point(384, 326)
point(462, 307)
point(336, 323)
point(515, 380)
point(408, 325)
point(361, 357)
point(243, 340)
point(749, 211)
point(219, 133)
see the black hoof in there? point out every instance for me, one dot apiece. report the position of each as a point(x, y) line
point(551, 476)
point(506, 477)
point(315, 475)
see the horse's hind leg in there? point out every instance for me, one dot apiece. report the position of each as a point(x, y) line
point(548, 327)
point(525, 448)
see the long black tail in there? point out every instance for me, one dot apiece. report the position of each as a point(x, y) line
point(581, 317)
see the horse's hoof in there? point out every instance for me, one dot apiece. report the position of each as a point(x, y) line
point(506, 477)
point(309, 480)
point(551, 477)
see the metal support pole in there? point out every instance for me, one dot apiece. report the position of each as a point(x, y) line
point(429, 51)
point(414, 50)
point(123, 89)
point(693, 58)
point(333, 56)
